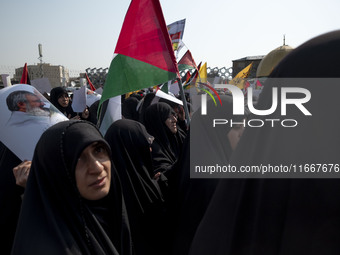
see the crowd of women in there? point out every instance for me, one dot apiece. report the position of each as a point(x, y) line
point(130, 192)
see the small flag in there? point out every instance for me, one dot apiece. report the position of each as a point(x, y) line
point(240, 78)
point(258, 84)
point(176, 31)
point(90, 83)
point(187, 62)
point(202, 74)
point(192, 80)
point(25, 79)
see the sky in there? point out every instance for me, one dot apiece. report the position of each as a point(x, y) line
point(81, 34)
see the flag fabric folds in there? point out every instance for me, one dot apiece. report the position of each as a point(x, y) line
point(90, 83)
point(144, 52)
point(176, 31)
point(187, 62)
point(144, 55)
point(25, 79)
point(240, 79)
point(192, 80)
point(186, 77)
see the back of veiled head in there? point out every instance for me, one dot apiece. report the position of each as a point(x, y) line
point(131, 154)
point(284, 208)
point(312, 66)
point(145, 103)
point(155, 117)
point(129, 108)
point(130, 140)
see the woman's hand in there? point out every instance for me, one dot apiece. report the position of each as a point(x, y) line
point(21, 173)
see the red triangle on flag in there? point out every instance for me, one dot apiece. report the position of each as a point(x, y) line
point(140, 36)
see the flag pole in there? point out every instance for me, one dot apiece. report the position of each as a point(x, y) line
point(185, 104)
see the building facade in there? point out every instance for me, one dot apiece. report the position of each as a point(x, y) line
point(57, 75)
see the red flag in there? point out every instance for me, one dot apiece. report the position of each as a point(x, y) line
point(25, 79)
point(90, 83)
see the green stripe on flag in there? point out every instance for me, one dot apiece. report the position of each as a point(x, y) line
point(127, 74)
point(182, 67)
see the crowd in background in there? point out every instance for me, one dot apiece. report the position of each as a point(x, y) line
point(130, 191)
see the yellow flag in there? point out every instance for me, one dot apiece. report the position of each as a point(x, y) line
point(127, 95)
point(240, 79)
point(202, 74)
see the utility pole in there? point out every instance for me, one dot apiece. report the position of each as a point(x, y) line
point(41, 70)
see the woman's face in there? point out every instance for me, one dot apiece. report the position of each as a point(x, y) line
point(93, 172)
point(171, 123)
point(64, 100)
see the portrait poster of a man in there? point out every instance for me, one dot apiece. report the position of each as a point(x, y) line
point(25, 115)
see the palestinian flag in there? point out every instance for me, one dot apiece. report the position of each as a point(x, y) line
point(144, 52)
point(187, 62)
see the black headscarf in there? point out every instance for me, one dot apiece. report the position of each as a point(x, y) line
point(129, 108)
point(284, 216)
point(145, 102)
point(54, 96)
point(166, 146)
point(93, 112)
point(54, 218)
point(130, 145)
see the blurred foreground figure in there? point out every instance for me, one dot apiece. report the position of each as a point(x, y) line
point(288, 215)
